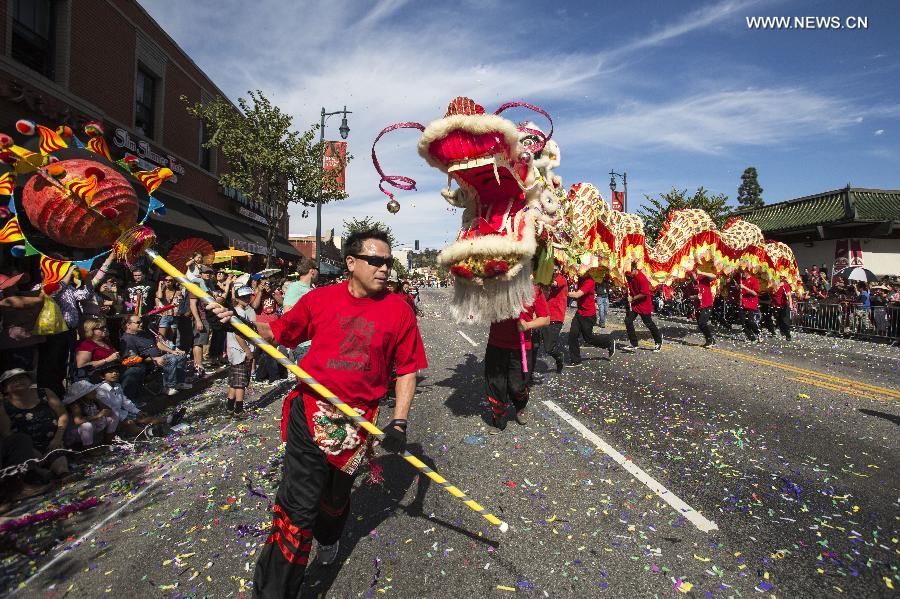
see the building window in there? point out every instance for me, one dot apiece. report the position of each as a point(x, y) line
point(205, 153)
point(33, 34)
point(145, 102)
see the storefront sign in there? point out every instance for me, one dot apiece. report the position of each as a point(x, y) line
point(244, 200)
point(251, 215)
point(249, 246)
point(142, 150)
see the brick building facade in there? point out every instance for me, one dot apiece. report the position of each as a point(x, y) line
point(73, 61)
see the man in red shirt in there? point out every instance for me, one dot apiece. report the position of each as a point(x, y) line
point(582, 326)
point(505, 381)
point(357, 330)
point(704, 300)
point(749, 290)
point(557, 298)
point(640, 303)
point(782, 304)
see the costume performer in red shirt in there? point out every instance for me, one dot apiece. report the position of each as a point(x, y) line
point(557, 298)
point(582, 326)
point(782, 304)
point(640, 303)
point(749, 289)
point(357, 329)
point(702, 289)
point(505, 381)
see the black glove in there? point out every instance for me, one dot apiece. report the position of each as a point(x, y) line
point(394, 436)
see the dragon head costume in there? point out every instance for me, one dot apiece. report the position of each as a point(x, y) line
point(517, 218)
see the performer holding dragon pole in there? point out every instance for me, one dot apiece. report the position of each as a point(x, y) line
point(582, 326)
point(640, 303)
point(357, 330)
point(704, 299)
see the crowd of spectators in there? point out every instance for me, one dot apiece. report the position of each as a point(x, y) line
point(123, 341)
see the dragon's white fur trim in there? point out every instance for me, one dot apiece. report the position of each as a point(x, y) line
point(492, 300)
point(491, 245)
point(477, 124)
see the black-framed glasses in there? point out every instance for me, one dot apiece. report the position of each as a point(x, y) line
point(376, 261)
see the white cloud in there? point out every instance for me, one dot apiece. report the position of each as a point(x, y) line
point(879, 132)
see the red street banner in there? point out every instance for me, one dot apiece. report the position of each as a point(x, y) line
point(847, 252)
point(618, 201)
point(335, 160)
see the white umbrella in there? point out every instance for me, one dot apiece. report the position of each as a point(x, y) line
point(858, 273)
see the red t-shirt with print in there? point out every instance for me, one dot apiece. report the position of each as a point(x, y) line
point(639, 284)
point(354, 343)
point(557, 298)
point(703, 290)
point(587, 303)
point(750, 302)
point(505, 333)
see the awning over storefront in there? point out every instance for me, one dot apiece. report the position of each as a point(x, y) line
point(184, 218)
point(282, 246)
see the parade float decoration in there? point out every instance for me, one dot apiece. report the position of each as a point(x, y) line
point(68, 201)
point(518, 219)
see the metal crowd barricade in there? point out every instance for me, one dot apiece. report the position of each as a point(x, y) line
point(877, 322)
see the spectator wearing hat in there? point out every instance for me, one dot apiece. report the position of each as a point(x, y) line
point(240, 355)
point(36, 413)
point(18, 312)
point(88, 415)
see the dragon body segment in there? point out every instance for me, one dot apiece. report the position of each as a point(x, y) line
point(518, 219)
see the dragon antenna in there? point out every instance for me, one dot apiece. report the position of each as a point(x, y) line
point(535, 109)
point(398, 181)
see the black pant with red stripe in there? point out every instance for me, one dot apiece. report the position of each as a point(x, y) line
point(313, 501)
point(505, 382)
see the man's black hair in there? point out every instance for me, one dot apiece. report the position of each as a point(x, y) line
point(354, 242)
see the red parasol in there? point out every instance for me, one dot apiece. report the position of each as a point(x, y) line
point(184, 249)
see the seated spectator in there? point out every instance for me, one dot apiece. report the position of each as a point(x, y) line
point(95, 349)
point(136, 342)
point(132, 421)
point(36, 413)
point(89, 417)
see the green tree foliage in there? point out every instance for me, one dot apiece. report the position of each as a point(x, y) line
point(354, 225)
point(750, 193)
point(400, 270)
point(423, 258)
point(265, 159)
point(659, 208)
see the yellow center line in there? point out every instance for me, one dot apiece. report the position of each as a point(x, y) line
point(835, 383)
point(830, 387)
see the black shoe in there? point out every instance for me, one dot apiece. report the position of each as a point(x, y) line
point(239, 413)
point(177, 415)
point(559, 365)
point(498, 422)
point(612, 349)
point(709, 343)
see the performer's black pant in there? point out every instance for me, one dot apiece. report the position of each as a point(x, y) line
point(648, 322)
point(751, 325)
point(783, 318)
point(551, 340)
point(703, 323)
point(313, 501)
point(505, 382)
point(582, 327)
point(768, 315)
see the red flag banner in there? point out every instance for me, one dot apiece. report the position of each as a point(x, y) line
point(847, 252)
point(335, 160)
point(618, 201)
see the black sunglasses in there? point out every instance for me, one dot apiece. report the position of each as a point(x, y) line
point(376, 261)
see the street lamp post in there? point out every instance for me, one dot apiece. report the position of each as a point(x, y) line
point(612, 186)
point(345, 131)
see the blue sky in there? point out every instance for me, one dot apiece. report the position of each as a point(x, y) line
point(677, 94)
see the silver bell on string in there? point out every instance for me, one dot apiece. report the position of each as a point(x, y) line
point(393, 206)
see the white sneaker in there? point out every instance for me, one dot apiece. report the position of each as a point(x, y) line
point(327, 554)
point(171, 391)
point(627, 348)
point(183, 386)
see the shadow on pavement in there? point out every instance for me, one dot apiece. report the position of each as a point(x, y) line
point(375, 504)
point(466, 388)
point(889, 417)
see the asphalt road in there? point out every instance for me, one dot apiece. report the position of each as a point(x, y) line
point(784, 457)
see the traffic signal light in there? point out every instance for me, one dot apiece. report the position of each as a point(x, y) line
point(417, 245)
